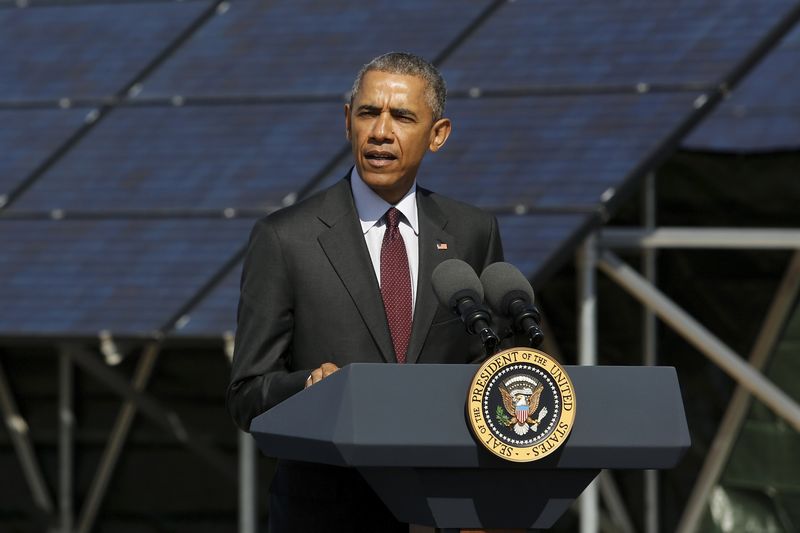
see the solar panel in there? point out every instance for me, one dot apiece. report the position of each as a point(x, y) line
point(559, 151)
point(216, 313)
point(763, 113)
point(193, 157)
point(304, 46)
point(558, 42)
point(531, 241)
point(84, 51)
point(28, 137)
point(128, 276)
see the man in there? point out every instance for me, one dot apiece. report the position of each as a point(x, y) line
point(345, 276)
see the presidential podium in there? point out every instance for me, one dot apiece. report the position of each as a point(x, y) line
point(404, 428)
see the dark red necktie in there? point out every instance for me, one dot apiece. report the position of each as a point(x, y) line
point(396, 284)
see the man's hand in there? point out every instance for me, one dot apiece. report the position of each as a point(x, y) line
point(321, 373)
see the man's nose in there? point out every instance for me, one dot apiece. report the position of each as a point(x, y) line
point(382, 128)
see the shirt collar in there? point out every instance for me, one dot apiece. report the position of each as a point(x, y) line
point(372, 207)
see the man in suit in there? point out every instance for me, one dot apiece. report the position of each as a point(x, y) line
point(345, 276)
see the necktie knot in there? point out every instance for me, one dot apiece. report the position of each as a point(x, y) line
point(393, 218)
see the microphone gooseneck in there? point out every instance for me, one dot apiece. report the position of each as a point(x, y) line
point(458, 288)
point(510, 294)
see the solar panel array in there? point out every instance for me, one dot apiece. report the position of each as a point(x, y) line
point(763, 113)
point(84, 51)
point(141, 140)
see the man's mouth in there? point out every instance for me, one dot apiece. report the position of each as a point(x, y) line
point(378, 155)
point(379, 159)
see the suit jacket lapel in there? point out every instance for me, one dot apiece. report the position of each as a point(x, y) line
point(432, 223)
point(343, 243)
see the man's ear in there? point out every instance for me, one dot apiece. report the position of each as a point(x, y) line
point(347, 121)
point(439, 133)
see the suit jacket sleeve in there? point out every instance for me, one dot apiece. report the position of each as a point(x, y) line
point(260, 375)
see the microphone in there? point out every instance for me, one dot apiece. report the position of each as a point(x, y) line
point(458, 288)
point(510, 294)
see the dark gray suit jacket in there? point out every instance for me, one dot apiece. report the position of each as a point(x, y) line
point(309, 295)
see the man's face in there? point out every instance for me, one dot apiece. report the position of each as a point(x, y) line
point(390, 127)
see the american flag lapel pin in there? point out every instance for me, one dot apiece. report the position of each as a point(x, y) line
point(441, 245)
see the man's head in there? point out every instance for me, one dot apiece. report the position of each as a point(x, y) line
point(394, 117)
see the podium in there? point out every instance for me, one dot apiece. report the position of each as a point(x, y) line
point(404, 428)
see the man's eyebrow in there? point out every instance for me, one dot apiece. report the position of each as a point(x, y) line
point(402, 112)
point(395, 111)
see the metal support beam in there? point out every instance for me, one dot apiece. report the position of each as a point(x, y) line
point(21, 440)
point(782, 304)
point(66, 445)
point(650, 345)
point(119, 434)
point(164, 418)
point(683, 323)
point(736, 238)
point(587, 355)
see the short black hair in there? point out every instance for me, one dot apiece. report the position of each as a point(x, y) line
point(411, 65)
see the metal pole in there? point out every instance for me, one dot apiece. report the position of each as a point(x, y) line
point(66, 434)
point(728, 360)
point(705, 238)
point(21, 440)
point(587, 348)
point(248, 467)
point(782, 303)
point(650, 346)
point(116, 441)
point(248, 486)
point(620, 519)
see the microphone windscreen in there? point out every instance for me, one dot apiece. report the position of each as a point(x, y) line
point(454, 279)
point(503, 283)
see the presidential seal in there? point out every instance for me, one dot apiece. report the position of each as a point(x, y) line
point(521, 405)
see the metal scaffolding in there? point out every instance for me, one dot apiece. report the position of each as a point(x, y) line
point(596, 252)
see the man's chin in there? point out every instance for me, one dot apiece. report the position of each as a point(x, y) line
point(388, 185)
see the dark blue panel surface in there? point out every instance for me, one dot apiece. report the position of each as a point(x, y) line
point(193, 157)
point(80, 277)
point(216, 313)
point(529, 242)
point(305, 46)
point(547, 151)
point(763, 113)
point(84, 51)
point(573, 42)
point(27, 137)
